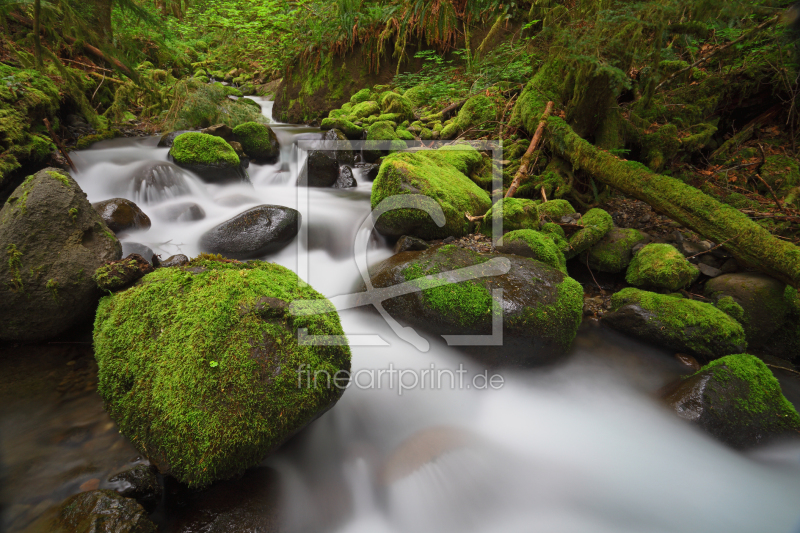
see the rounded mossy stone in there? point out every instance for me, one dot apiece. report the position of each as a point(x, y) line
point(365, 109)
point(258, 140)
point(449, 131)
point(419, 95)
point(231, 91)
point(201, 148)
point(478, 113)
point(199, 365)
point(554, 209)
point(729, 306)
point(661, 266)
point(381, 140)
point(404, 135)
point(395, 104)
point(614, 252)
point(513, 213)
point(674, 322)
point(553, 228)
point(596, 223)
point(541, 304)
point(437, 174)
point(352, 131)
point(737, 400)
point(202, 79)
point(337, 113)
point(360, 97)
point(533, 244)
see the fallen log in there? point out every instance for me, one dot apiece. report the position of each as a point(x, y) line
point(526, 159)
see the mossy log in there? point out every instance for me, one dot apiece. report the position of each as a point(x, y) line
point(747, 241)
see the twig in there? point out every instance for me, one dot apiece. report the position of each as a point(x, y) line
point(721, 48)
point(98, 87)
point(783, 368)
point(474, 219)
point(710, 249)
point(58, 144)
point(523, 167)
point(774, 197)
point(595, 279)
point(544, 196)
point(86, 65)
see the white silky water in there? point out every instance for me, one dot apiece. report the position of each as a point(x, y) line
point(579, 447)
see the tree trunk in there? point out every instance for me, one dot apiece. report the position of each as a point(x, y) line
point(104, 8)
point(37, 37)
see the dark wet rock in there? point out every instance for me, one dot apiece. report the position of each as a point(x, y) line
point(409, 243)
point(168, 139)
point(709, 271)
point(542, 307)
point(254, 233)
point(121, 214)
point(51, 241)
point(737, 400)
point(674, 322)
point(174, 261)
point(219, 130)
point(369, 171)
point(730, 266)
point(138, 248)
point(322, 168)
point(159, 181)
point(141, 484)
point(96, 511)
point(118, 275)
point(183, 212)
point(343, 153)
point(345, 180)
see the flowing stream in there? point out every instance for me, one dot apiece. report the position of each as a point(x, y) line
point(578, 447)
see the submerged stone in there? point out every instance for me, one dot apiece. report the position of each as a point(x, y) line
point(199, 365)
point(141, 484)
point(158, 181)
point(256, 232)
point(671, 321)
point(168, 139)
point(737, 400)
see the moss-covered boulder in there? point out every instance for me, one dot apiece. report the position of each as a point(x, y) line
point(361, 96)
point(437, 174)
point(542, 307)
point(671, 321)
point(737, 400)
point(365, 109)
point(95, 511)
point(513, 213)
point(553, 210)
point(661, 266)
point(596, 224)
point(52, 241)
point(199, 365)
point(208, 156)
point(614, 252)
point(352, 131)
point(533, 244)
point(395, 104)
point(168, 139)
point(381, 140)
point(478, 114)
point(258, 141)
point(419, 95)
point(768, 310)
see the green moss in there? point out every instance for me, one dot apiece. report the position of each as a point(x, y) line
point(541, 245)
point(87, 140)
point(58, 176)
point(781, 172)
point(558, 321)
point(596, 224)
point(419, 95)
point(438, 175)
point(681, 315)
point(477, 114)
point(201, 148)
point(365, 109)
point(14, 265)
point(404, 135)
point(729, 306)
point(515, 214)
point(361, 96)
point(740, 201)
point(345, 126)
point(764, 393)
point(613, 253)
point(661, 266)
point(553, 229)
point(555, 209)
point(155, 343)
point(73, 214)
point(52, 286)
point(258, 140)
point(394, 104)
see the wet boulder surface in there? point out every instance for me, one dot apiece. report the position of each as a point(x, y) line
point(140, 483)
point(156, 181)
point(541, 306)
point(52, 241)
point(207, 391)
point(118, 275)
point(168, 139)
point(208, 156)
point(96, 511)
point(254, 233)
point(735, 399)
point(671, 321)
point(121, 214)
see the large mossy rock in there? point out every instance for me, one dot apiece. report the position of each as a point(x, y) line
point(258, 141)
point(208, 156)
point(513, 214)
point(596, 224)
point(770, 310)
point(198, 365)
point(614, 252)
point(671, 321)
point(737, 400)
point(534, 244)
point(255, 233)
point(95, 511)
point(52, 241)
point(381, 140)
point(352, 131)
point(542, 306)
point(437, 174)
point(478, 113)
point(661, 266)
point(395, 104)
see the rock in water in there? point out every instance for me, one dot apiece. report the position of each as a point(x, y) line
point(437, 174)
point(159, 181)
point(671, 321)
point(254, 233)
point(52, 241)
point(96, 511)
point(737, 400)
point(118, 275)
point(322, 168)
point(258, 141)
point(208, 156)
point(542, 307)
point(138, 248)
point(168, 139)
point(175, 260)
point(182, 212)
point(141, 484)
point(199, 365)
point(346, 179)
point(120, 215)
